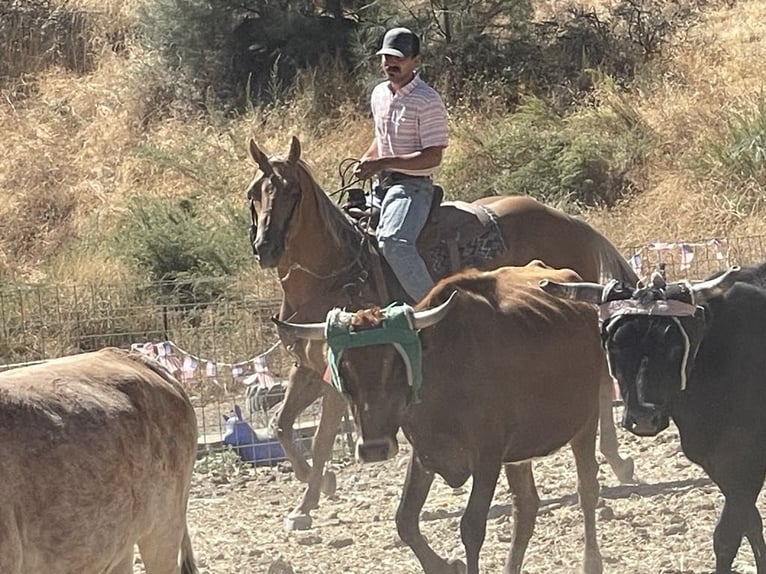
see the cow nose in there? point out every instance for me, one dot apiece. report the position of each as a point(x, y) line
point(645, 422)
point(376, 450)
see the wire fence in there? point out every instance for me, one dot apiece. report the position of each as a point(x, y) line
point(217, 336)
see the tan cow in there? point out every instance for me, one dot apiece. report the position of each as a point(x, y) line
point(96, 455)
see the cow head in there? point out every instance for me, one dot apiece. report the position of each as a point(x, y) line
point(374, 378)
point(651, 336)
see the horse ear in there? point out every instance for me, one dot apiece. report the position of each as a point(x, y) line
point(295, 151)
point(260, 158)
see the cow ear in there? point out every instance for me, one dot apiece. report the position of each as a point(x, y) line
point(238, 412)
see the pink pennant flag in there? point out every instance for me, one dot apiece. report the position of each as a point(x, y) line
point(188, 367)
point(259, 364)
point(718, 251)
point(237, 370)
point(211, 369)
point(687, 254)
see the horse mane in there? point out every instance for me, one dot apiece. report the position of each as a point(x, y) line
point(341, 229)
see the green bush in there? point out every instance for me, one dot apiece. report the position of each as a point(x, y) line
point(181, 241)
point(576, 161)
point(737, 162)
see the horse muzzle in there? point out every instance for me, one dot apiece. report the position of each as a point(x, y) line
point(376, 450)
point(267, 253)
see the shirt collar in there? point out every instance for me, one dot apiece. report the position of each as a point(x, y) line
point(408, 88)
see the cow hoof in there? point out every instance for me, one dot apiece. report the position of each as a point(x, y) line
point(457, 567)
point(297, 522)
point(329, 483)
point(625, 472)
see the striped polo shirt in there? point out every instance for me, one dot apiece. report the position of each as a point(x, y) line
point(410, 120)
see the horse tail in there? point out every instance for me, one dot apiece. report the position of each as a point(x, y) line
point(611, 263)
point(187, 556)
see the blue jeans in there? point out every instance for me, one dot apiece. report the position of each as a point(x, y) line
point(403, 214)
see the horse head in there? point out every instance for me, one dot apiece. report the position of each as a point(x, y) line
point(274, 196)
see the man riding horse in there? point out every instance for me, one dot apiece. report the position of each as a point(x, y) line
point(410, 137)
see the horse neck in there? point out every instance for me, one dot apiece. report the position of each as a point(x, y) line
point(323, 250)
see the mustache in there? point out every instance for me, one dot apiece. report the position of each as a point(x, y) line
point(393, 69)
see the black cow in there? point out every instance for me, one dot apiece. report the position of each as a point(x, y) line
point(697, 354)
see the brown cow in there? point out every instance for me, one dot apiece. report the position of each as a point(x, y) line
point(96, 455)
point(509, 373)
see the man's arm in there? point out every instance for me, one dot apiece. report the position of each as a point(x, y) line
point(424, 159)
point(372, 151)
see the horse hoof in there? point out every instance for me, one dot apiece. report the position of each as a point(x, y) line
point(297, 522)
point(457, 567)
point(625, 472)
point(329, 483)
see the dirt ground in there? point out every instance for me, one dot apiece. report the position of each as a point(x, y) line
point(662, 524)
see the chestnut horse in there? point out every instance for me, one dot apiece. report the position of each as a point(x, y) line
point(325, 260)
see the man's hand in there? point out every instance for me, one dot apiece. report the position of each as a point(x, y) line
point(366, 168)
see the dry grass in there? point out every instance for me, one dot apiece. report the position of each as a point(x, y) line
point(72, 141)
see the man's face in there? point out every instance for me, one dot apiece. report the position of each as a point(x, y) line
point(399, 70)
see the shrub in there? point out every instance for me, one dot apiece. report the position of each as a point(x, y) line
point(182, 241)
point(37, 33)
point(737, 162)
point(578, 160)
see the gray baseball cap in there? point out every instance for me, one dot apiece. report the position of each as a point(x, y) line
point(400, 42)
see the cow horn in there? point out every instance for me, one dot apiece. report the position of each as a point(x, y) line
point(432, 316)
point(292, 331)
point(583, 291)
point(716, 286)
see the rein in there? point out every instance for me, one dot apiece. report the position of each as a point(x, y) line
point(298, 267)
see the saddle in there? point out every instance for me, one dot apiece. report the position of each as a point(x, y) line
point(457, 234)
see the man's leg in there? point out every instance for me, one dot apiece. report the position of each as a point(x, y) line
point(403, 214)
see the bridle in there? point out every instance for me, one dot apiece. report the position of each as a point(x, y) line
point(364, 244)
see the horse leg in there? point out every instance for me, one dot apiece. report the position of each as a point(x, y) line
point(526, 503)
point(622, 467)
point(584, 449)
point(333, 407)
point(417, 484)
point(303, 388)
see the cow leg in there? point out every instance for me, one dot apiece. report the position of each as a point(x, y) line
point(727, 536)
point(473, 525)
point(11, 545)
point(584, 449)
point(160, 548)
point(333, 407)
point(125, 566)
point(754, 534)
point(740, 517)
point(526, 503)
point(417, 484)
point(622, 467)
point(740, 476)
point(303, 388)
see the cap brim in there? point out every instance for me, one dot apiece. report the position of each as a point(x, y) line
point(390, 52)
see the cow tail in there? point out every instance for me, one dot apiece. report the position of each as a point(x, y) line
point(187, 556)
